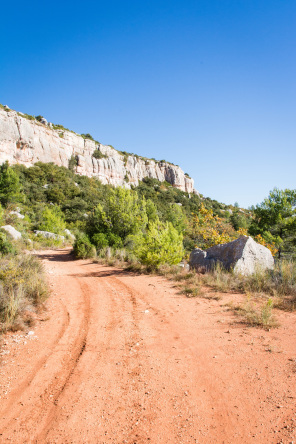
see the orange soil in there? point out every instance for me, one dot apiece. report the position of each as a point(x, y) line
point(122, 358)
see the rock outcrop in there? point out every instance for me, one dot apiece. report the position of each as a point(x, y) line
point(27, 141)
point(16, 235)
point(243, 255)
point(49, 235)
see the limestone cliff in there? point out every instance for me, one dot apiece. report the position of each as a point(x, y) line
point(27, 141)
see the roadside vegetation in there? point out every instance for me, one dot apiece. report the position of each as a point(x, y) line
point(23, 290)
point(149, 228)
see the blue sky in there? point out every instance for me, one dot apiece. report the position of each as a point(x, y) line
point(208, 85)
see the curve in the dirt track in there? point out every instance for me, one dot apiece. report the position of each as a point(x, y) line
point(128, 360)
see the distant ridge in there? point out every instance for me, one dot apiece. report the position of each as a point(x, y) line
point(26, 140)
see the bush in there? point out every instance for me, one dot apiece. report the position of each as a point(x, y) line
point(160, 244)
point(97, 154)
point(22, 285)
point(52, 220)
point(83, 248)
point(9, 185)
point(122, 213)
point(100, 240)
point(87, 136)
point(73, 162)
point(6, 246)
point(115, 241)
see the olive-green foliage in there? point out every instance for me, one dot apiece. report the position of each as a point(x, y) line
point(123, 213)
point(83, 248)
point(100, 240)
point(164, 195)
point(6, 246)
point(60, 127)
point(89, 206)
point(1, 214)
point(114, 240)
point(93, 208)
point(97, 154)
point(10, 190)
point(73, 162)
point(275, 220)
point(52, 220)
point(159, 244)
point(47, 183)
point(87, 136)
point(239, 220)
point(176, 216)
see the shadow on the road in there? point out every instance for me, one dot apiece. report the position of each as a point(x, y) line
point(66, 256)
point(63, 256)
point(106, 273)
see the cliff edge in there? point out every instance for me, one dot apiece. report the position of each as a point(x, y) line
point(25, 140)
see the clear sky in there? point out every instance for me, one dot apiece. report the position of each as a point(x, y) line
point(208, 85)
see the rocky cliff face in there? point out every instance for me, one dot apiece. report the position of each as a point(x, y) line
point(29, 141)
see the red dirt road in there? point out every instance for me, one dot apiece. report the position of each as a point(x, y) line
point(122, 358)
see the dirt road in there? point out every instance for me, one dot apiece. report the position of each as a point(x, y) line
point(121, 358)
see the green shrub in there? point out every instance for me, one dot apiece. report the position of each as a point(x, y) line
point(73, 162)
point(6, 246)
point(100, 240)
point(83, 248)
point(114, 240)
point(97, 154)
point(122, 213)
point(28, 117)
point(160, 244)
point(87, 136)
point(52, 220)
point(10, 189)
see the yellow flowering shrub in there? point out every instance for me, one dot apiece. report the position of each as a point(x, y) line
point(210, 230)
point(269, 245)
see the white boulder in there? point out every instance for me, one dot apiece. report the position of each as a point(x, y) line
point(18, 214)
point(69, 234)
point(16, 235)
point(49, 235)
point(243, 255)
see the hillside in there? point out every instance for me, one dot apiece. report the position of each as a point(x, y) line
point(26, 140)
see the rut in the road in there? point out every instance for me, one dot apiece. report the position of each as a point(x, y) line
point(126, 359)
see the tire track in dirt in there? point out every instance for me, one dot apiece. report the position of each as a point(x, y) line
point(65, 375)
point(142, 412)
point(139, 363)
point(33, 404)
point(110, 323)
point(19, 391)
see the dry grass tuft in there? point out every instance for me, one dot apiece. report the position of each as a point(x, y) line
point(22, 290)
point(279, 285)
point(260, 315)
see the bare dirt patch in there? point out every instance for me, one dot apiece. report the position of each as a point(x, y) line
point(122, 358)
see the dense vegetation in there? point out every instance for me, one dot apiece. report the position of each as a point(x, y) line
point(152, 224)
point(54, 198)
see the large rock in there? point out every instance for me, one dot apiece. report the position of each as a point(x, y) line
point(29, 141)
point(69, 234)
point(17, 214)
point(49, 235)
point(243, 255)
point(12, 231)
